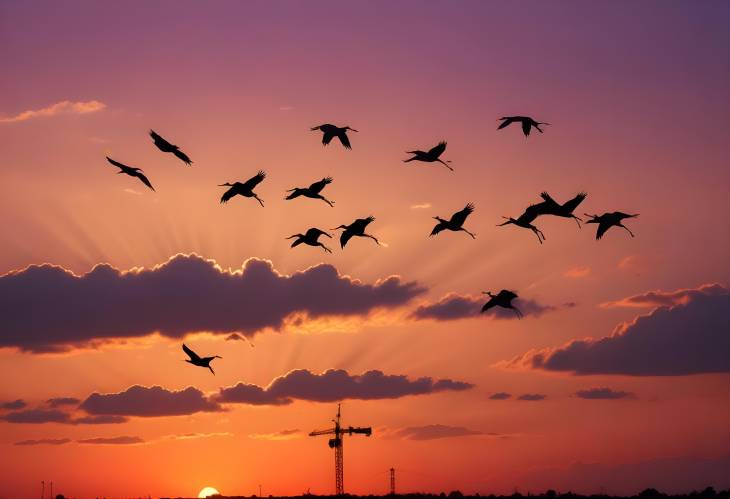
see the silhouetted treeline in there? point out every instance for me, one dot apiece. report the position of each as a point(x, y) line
point(707, 493)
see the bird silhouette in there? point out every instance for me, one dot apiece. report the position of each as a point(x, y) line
point(165, 146)
point(525, 220)
point(356, 228)
point(310, 237)
point(502, 299)
point(430, 156)
point(608, 220)
point(551, 207)
point(197, 360)
point(244, 189)
point(332, 131)
point(527, 123)
point(455, 222)
point(132, 172)
point(313, 191)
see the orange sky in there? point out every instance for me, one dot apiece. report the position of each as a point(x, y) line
point(634, 95)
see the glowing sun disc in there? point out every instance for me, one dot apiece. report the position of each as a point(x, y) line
point(207, 492)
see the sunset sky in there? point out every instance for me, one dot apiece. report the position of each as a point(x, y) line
point(616, 379)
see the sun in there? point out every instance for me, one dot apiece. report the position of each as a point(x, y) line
point(207, 492)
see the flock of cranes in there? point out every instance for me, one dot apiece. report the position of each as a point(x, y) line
point(547, 207)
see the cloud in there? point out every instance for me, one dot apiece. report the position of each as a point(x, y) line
point(434, 431)
point(152, 401)
point(532, 397)
point(42, 415)
point(333, 385)
point(577, 272)
point(666, 298)
point(44, 441)
point(633, 263)
point(692, 337)
point(195, 436)
point(454, 306)
point(37, 416)
point(500, 396)
point(63, 107)
point(186, 294)
point(279, 435)
point(421, 206)
point(124, 440)
point(13, 405)
point(603, 394)
point(62, 401)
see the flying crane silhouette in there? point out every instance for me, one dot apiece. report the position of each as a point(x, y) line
point(430, 156)
point(502, 299)
point(197, 360)
point(565, 210)
point(244, 189)
point(313, 191)
point(608, 220)
point(525, 220)
point(165, 146)
point(527, 123)
point(456, 221)
point(332, 131)
point(356, 228)
point(131, 171)
point(310, 238)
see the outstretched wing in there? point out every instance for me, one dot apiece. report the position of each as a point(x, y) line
point(255, 180)
point(193, 356)
point(459, 217)
point(548, 199)
point(318, 186)
point(184, 157)
point(342, 135)
point(437, 150)
point(229, 194)
point(344, 237)
point(491, 303)
point(159, 141)
point(526, 125)
point(117, 163)
point(533, 211)
point(573, 203)
point(438, 228)
point(144, 179)
point(603, 226)
point(507, 295)
point(506, 121)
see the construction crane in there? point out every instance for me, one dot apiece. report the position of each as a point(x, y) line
point(336, 443)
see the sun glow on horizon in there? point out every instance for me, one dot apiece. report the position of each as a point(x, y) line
point(208, 492)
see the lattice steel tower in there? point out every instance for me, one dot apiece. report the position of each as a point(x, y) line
point(336, 443)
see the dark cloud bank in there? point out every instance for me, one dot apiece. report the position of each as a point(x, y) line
point(333, 385)
point(47, 308)
point(691, 336)
point(603, 393)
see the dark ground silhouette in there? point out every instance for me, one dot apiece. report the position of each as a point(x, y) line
point(708, 493)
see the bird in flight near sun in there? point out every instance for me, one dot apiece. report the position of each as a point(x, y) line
point(332, 131)
point(131, 171)
point(527, 123)
point(244, 189)
point(197, 360)
point(430, 156)
point(165, 146)
point(456, 221)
